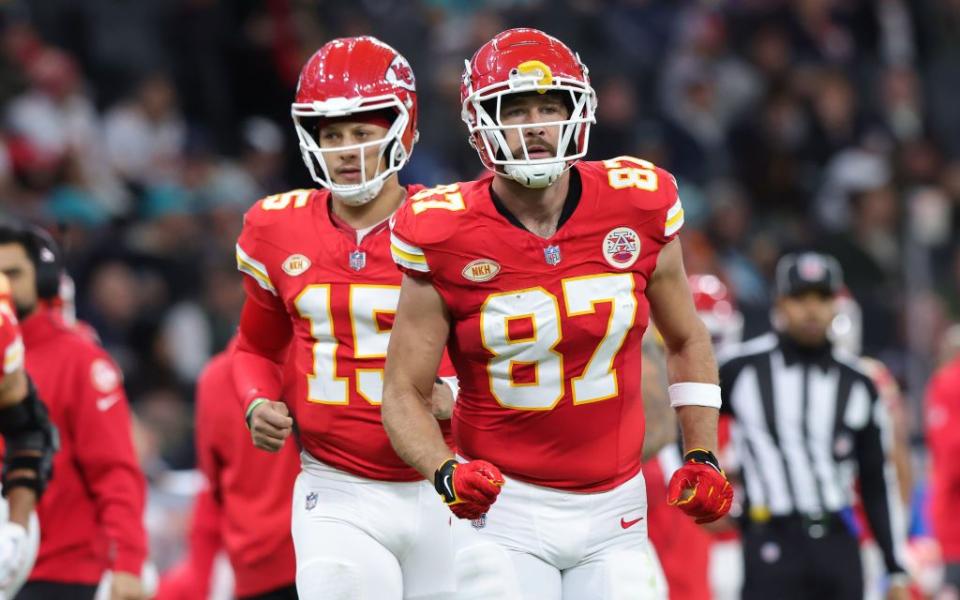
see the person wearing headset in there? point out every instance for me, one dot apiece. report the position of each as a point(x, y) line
point(91, 515)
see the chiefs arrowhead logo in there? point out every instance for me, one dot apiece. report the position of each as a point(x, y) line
point(400, 73)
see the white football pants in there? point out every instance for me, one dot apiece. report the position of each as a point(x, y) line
point(570, 546)
point(363, 539)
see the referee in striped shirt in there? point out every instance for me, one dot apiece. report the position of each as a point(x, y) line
point(809, 423)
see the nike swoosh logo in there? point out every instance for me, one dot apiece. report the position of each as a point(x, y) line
point(447, 486)
point(628, 524)
point(104, 404)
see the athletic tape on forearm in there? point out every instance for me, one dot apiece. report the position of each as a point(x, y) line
point(690, 393)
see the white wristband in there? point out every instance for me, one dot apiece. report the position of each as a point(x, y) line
point(690, 393)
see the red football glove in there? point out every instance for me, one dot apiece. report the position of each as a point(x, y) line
point(468, 488)
point(699, 488)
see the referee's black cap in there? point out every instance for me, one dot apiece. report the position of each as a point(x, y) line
point(808, 272)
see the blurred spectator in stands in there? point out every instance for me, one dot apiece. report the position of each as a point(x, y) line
point(55, 128)
point(697, 135)
point(771, 55)
point(145, 134)
point(837, 122)
point(53, 115)
point(702, 48)
point(111, 307)
point(613, 135)
point(262, 158)
point(165, 411)
point(730, 233)
point(901, 100)
point(819, 33)
point(770, 152)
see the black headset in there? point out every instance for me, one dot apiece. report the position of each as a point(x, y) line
point(45, 255)
point(47, 261)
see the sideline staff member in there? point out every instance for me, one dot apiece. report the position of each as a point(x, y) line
point(91, 515)
point(808, 420)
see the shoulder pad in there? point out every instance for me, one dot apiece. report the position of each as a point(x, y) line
point(432, 214)
point(643, 184)
point(280, 207)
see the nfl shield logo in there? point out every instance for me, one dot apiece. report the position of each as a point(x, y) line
point(311, 500)
point(551, 254)
point(358, 260)
point(479, 523)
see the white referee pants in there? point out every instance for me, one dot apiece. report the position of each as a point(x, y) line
point(570, 546)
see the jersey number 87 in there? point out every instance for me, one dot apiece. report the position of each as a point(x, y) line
point(537, 351)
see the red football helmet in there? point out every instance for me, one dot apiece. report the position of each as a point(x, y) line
point(716, 308)
point(521, 61)
point(351, 76)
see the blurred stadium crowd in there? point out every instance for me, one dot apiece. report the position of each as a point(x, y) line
point(139, 132)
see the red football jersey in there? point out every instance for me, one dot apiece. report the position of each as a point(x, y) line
point(341, 295)
point(11, 344)
point(546, 333)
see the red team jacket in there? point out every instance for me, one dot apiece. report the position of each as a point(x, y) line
point(342, 295)
point(91, 515)
point(943, 439)
point(252, 490)
point(545, 333)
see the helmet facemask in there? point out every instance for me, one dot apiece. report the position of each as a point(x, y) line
point(391, 153)
point(488, 130)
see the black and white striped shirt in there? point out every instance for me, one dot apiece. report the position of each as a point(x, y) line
point(808, 422)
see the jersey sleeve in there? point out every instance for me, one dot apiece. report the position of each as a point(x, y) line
point(422, 226)
point(265, 328)
point(408, 256)
point(263, 345)
point(669, 219)
point(251, 261)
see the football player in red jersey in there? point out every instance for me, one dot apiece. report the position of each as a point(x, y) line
point(543, 276)
point(319, 273)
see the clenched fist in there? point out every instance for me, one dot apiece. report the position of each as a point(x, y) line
point(270, 424)
point(700, 488)
point(468, 488)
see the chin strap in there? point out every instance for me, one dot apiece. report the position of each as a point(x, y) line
point(535, 176)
